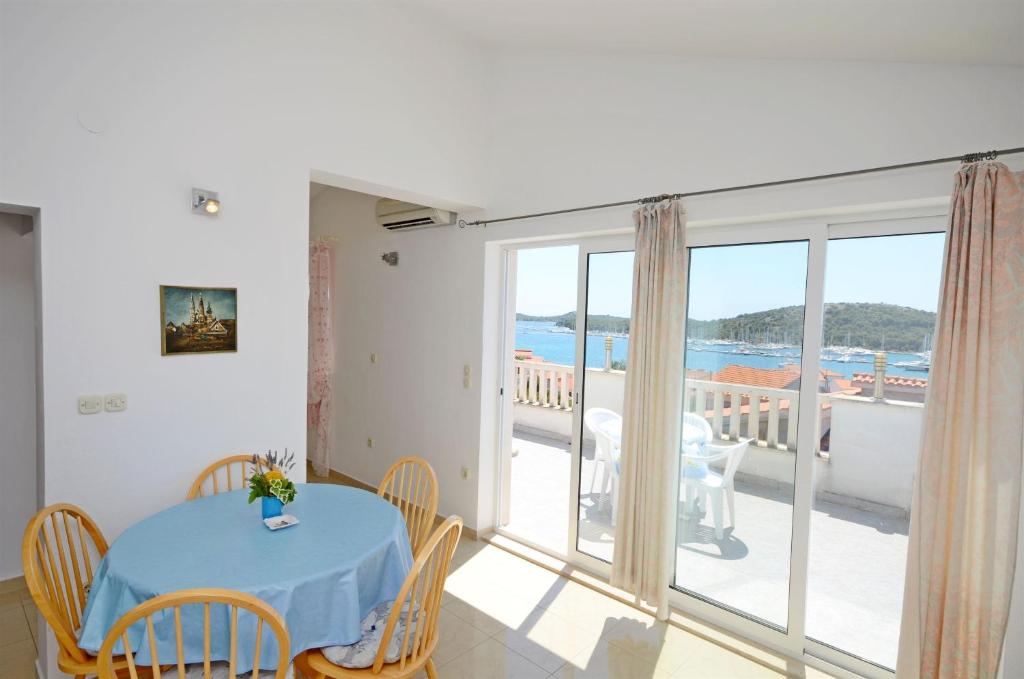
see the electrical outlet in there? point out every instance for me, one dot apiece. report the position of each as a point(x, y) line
point(369, 442)
point(90, 405)
point(467, 377)
point(373, 358)
point(115, 403)
point(466, 473)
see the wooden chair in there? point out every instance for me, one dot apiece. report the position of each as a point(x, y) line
point(224, 471)
point(411, 485)
point(158, 607)
point(415, 612)
point(60, 546)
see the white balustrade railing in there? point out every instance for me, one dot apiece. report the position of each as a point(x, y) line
point(723, 403)
point(543, 384)
point(549, 385)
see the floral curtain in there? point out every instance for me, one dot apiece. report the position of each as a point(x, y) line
point(320, 374)
point(964, 524)
point(652, 412)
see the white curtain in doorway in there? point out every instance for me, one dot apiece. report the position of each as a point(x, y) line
point(964, 523)
point(652, 413)
point(320, 375)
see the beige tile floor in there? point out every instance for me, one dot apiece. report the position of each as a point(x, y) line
point(503, 616)
point(17, 631)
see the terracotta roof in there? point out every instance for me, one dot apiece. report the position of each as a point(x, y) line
point(893, 380)
point(757, 377)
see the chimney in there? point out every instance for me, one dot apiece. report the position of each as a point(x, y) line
point(880, 375)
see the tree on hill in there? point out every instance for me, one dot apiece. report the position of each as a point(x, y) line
point(869, 325)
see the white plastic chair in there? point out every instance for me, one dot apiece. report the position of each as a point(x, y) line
point(595, 420)
point(698, 422)
point(713, 484)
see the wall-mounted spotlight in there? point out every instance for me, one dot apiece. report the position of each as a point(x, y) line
point(205, 202)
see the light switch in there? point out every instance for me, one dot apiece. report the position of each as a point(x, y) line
point(467, 375)
point(90, 405)
point(373, 358)
point(115, 403)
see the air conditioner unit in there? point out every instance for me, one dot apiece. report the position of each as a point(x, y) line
point(394, 215)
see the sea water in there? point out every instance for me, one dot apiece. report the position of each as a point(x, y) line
point(558, 345)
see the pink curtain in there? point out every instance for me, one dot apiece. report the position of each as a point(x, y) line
point(964, 525)
point(319, 379)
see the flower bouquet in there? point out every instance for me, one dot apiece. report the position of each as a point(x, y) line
point(272, 485)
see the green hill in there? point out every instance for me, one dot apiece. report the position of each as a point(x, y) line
point(872, 326)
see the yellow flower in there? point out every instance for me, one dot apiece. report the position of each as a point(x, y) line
point(275, 474)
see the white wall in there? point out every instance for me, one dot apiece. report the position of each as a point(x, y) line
point(241, 98)
point(18, 396)
point(873, 450)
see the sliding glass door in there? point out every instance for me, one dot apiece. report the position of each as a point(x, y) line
point(606, 283)
point(566, 341)
point(744, 348)
point(807, 361)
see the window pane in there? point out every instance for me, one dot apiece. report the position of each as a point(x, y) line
point(536, 470)
point(881, 295)
point(745, 321)
point(609, 304)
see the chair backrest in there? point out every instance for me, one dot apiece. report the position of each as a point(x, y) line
point(61, 544)
point(411, 485)
point(695, 420)
point(736, 452)
point(230, 473)
point(595, 418)
point(157, 609)
point(419, 601)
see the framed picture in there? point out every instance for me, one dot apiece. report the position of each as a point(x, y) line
point(198, 320)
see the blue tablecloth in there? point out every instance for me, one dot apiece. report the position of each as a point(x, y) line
point(349, 553)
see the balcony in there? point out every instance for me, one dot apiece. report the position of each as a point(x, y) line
point(863, 480)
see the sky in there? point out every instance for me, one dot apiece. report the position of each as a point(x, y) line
point(729, 280)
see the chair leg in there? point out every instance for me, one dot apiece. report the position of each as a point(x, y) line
point(615, 498)
point(731, 497)
point(431, 670)
point(602, 501)
point(716, 500)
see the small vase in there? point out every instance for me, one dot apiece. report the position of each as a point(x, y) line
point(272, 507)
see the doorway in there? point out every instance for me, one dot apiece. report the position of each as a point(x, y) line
point(567, 341)
point(19, 482)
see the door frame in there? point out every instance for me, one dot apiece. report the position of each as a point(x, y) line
point(793, 641)
point(588, 246)
point(817, 229)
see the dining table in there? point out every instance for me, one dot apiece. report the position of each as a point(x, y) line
point(348, 553)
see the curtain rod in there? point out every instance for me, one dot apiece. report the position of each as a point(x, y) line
point(967, 158)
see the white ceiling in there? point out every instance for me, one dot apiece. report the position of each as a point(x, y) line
point(966, 31)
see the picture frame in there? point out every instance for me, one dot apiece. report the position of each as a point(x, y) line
point(198, 320)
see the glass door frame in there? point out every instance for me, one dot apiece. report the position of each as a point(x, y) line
point(793, 641)
point(588, 246)
point(926, 217)
point(611, 242)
